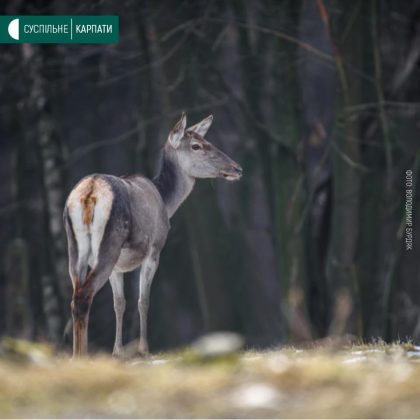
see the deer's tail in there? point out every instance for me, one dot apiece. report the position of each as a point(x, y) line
point(88, 201)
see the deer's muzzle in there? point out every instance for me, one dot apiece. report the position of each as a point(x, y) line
point(234, 173)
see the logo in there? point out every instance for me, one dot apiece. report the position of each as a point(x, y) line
point(59, 29)
point(13, 29)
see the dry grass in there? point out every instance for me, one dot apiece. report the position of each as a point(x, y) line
point(367, 381)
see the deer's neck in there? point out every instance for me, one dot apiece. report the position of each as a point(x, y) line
point(173, 183)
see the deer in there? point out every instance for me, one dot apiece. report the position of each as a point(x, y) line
point(117, 224)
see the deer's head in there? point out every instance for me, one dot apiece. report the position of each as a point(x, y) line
point(196, 156)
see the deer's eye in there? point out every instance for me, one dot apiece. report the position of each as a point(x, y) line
point(196, 146)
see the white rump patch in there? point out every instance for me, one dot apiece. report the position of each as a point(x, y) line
point(89, 236)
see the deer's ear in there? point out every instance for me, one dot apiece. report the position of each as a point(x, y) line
point(203, 126)
point(177, 133)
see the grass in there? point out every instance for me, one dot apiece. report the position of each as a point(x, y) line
point(356, 381)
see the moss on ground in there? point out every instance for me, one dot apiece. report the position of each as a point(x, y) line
point(357, 381)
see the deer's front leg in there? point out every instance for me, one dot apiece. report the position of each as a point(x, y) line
point(117, 284)
point(147, 272)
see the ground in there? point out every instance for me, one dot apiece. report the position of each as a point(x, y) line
point(350, 382)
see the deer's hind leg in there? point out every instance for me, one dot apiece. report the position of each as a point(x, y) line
point(83, 295)
point(104, 261)
point(78, 242)
point(117, 284)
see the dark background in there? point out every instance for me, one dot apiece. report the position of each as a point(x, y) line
point(319, 102)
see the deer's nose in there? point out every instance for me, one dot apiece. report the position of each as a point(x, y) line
point(237, 169)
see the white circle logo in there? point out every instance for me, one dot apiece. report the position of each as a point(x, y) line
point(14, 29)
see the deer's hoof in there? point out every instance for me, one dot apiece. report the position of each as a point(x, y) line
point(118, 353)
point(143, 349)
